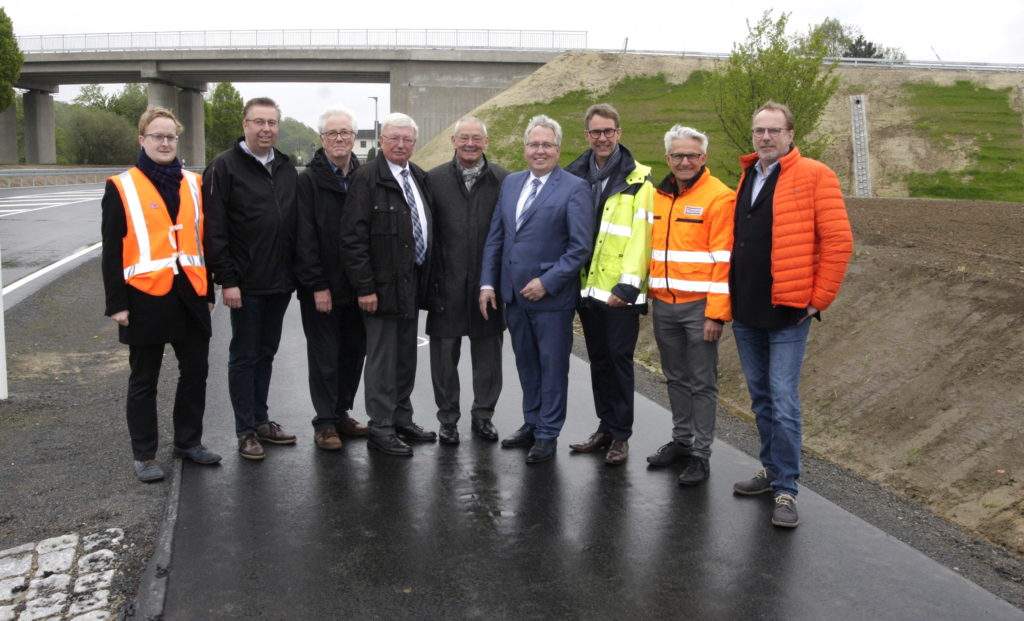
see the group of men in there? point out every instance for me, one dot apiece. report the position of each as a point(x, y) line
point(370, 244)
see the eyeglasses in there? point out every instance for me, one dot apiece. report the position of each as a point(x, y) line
point(677, 158)
point(345, 134)
point(541, 146)
point(263, 122)
point(470, 138)
point(399, 139)
point(607, 132)
point(771, 131)
point(159, 138)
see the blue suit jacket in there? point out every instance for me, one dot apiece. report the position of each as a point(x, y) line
point(554, 241)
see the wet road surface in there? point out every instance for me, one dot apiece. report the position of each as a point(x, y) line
point(472, 531)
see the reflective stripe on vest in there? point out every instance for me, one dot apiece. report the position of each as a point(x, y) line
point(600, 294)
point(697, 286)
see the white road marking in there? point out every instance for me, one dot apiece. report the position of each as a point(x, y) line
point(49, 268)
point(422, 340)
point(9, 205)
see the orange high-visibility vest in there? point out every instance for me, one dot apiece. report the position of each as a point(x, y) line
point(154, 248)
point(691, 244)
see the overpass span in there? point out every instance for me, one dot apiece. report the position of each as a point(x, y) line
point(435, 85)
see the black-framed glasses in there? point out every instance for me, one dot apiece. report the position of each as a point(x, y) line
point(677, 158)
point(607, 132)
point(344, 134)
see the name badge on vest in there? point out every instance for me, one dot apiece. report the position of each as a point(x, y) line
point(693, 210)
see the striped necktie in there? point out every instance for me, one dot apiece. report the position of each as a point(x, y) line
point(528, 202)
point(417, 226)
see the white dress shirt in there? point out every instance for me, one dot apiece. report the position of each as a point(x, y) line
point(527, 188)
point(396, 170)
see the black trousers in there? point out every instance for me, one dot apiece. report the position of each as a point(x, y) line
point(335, 350)
point(611, 335)
point(485, 352)
point(390, 374)
point(189, 398)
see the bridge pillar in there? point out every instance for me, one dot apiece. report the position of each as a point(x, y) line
point(436, 94)
point(163, 95)
point(192, 148)
point(40, 136)
point(9, 135)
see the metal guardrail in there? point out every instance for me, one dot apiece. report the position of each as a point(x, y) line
point(367, 38)
point(38, 177)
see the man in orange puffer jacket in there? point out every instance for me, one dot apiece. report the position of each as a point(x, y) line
point(792, 242)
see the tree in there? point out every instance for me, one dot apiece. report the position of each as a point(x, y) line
point(297, 140)
point(130, 103)
point(771, 66)
point(91, 96)
point(223, 119)
point(11, 59)
point(835, 35)
point(94, 136)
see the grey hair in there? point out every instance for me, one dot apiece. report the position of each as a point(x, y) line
point(681, 132)
point(339, 111)
point(469, 118)
point(542, 120)
point(397, 119)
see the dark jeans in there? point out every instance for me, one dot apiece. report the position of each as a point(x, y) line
point(335, 350)
point(611, 335)
point(189, 398)
point(771, 360)
point(255, 335)
point(390, 372)
point(444, 373)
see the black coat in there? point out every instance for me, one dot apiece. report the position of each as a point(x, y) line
point(250, 221)
point(152, 319)
point(376, 240)
point(462, 219)
point(321, 198)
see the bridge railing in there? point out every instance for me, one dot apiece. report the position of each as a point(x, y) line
point(368, 38)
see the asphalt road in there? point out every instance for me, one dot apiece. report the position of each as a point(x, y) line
point(40, 226)
point(471, 531)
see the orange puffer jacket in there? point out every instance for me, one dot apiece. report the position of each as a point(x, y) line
point(811, 237)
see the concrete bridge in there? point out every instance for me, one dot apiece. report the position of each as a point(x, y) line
point(435, 76)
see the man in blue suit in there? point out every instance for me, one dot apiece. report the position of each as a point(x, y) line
point(541, 235)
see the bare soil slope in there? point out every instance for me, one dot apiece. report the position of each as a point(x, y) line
point(913, 379)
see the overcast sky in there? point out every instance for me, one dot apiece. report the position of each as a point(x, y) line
point(982, 30)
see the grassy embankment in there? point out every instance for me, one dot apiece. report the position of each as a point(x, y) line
point(983, 117)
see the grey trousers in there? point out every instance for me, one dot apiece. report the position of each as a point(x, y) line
point(690, 365)
point(444, 371)
point(390, 372)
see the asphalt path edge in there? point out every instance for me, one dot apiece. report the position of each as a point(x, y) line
point(152, 593)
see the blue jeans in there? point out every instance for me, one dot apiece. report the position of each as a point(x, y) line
point(255, 335)
point(771, 361)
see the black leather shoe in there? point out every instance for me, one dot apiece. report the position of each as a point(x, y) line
point(484, 428)
point(390, 445)
point(542, 450)
point(448, 434)
point(668, 454)
point(415, 433)
point(696, 472)
point(522, 438)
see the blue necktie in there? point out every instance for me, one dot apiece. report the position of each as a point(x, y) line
point(528, 202)
point(417, 226)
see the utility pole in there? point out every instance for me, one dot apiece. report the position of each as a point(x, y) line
point(376, 127)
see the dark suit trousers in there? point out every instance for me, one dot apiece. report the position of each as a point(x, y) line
point(189, 399)
point(611, 335)
point(335, 349)
point(390, 371)
point(444, 372)
point(542, 342)
point(255, 336)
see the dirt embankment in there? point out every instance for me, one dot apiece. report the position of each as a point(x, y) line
point(913, 379)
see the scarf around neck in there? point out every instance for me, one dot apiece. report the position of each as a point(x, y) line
point(166, 178)
point(595, 175)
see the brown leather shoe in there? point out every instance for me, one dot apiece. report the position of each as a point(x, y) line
point(273, 433)
point(327, 439)
point(617, 453)
point(250, 448)
point(598, 441)
point(351, 427)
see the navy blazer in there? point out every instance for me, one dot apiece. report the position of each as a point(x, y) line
point(554, 241)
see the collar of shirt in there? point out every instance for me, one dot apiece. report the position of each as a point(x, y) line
point(543, 180)
point(266, 159)
point(396, 171)
point(768, 172)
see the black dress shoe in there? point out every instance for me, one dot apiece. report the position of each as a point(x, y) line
point(522, 438)
point(415, 433)
point(390, 445)
point(542, 450)
point(448, 434)
point(696, 472)
point(484, 428)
